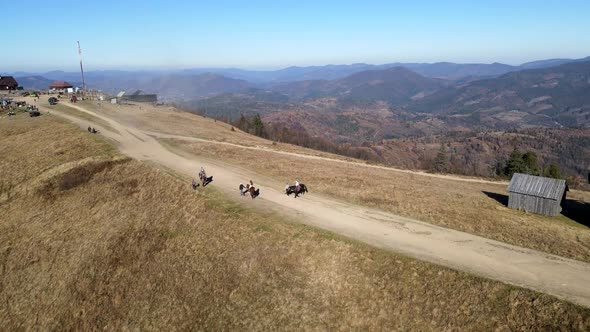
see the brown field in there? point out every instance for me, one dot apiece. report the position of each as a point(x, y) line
point(473, 207)
point(111, 243)
point(168, 120)
point(467, 206)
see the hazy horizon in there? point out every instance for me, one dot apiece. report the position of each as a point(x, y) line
point(76, 68)
point(266, 35)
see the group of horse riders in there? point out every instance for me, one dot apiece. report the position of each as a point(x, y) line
point(297, 189)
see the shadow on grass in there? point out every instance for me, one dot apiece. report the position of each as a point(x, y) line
point(502, 199)
point(577, 211)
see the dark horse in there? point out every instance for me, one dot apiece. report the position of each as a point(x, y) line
point(254, 192)
point(293, 190)
point(207, 180)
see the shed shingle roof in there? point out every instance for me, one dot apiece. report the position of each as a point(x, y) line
point(60, 85)
point(537, 186)
point(8, 81)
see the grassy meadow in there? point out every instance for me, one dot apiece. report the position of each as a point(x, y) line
point(92, 240)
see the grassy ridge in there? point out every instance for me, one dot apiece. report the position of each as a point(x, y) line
point(120, 245)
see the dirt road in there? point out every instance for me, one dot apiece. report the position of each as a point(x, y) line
point(539, 271)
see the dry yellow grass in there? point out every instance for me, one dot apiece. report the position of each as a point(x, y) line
point(459, 205)
point(123, 246)
point(168, 120)
point(64, 108)
point(45, 137)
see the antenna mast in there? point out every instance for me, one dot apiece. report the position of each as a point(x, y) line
point(81, 68)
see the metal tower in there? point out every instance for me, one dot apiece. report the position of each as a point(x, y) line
point(81, 68)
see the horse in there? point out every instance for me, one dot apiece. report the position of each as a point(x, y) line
point(254, 192)
point(293, 190)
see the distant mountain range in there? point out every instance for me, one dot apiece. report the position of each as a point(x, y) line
point(395, 85)
point(384, 99)
point(554, 96)
point(445, 70)
point(549, 93)
point(116, 80)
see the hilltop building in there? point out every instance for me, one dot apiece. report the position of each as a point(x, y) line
point(140, 97)
point(536, 194)
point(8, 83)
point(62, 86)
point(137, 97)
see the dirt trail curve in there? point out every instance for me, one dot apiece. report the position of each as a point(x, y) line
point(558, 276)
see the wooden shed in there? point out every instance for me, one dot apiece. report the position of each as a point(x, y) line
point(536, 194)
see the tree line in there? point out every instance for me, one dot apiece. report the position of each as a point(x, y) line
point(281, 133)
point(518, 162)
point(527, 163)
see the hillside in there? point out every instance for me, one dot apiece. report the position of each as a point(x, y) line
point(114, 243)
point(34, 82)
point(364, 109)
point(481, 153)
point(450, 201)
point(547, 97)
point(550, 97)
point(402, 139)
point(394, 85)
point(455, 71)
point(181, 87)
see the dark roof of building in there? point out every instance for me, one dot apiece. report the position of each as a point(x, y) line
point(537, 186)
point(60, 85)
point(8, 81)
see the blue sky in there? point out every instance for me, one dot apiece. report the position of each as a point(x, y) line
point(272, 34)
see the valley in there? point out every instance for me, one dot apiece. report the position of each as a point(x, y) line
point(400, 118)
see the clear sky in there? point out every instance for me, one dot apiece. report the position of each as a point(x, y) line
point(42, 35)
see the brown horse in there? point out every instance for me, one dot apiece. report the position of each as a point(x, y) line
point(254, 192)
